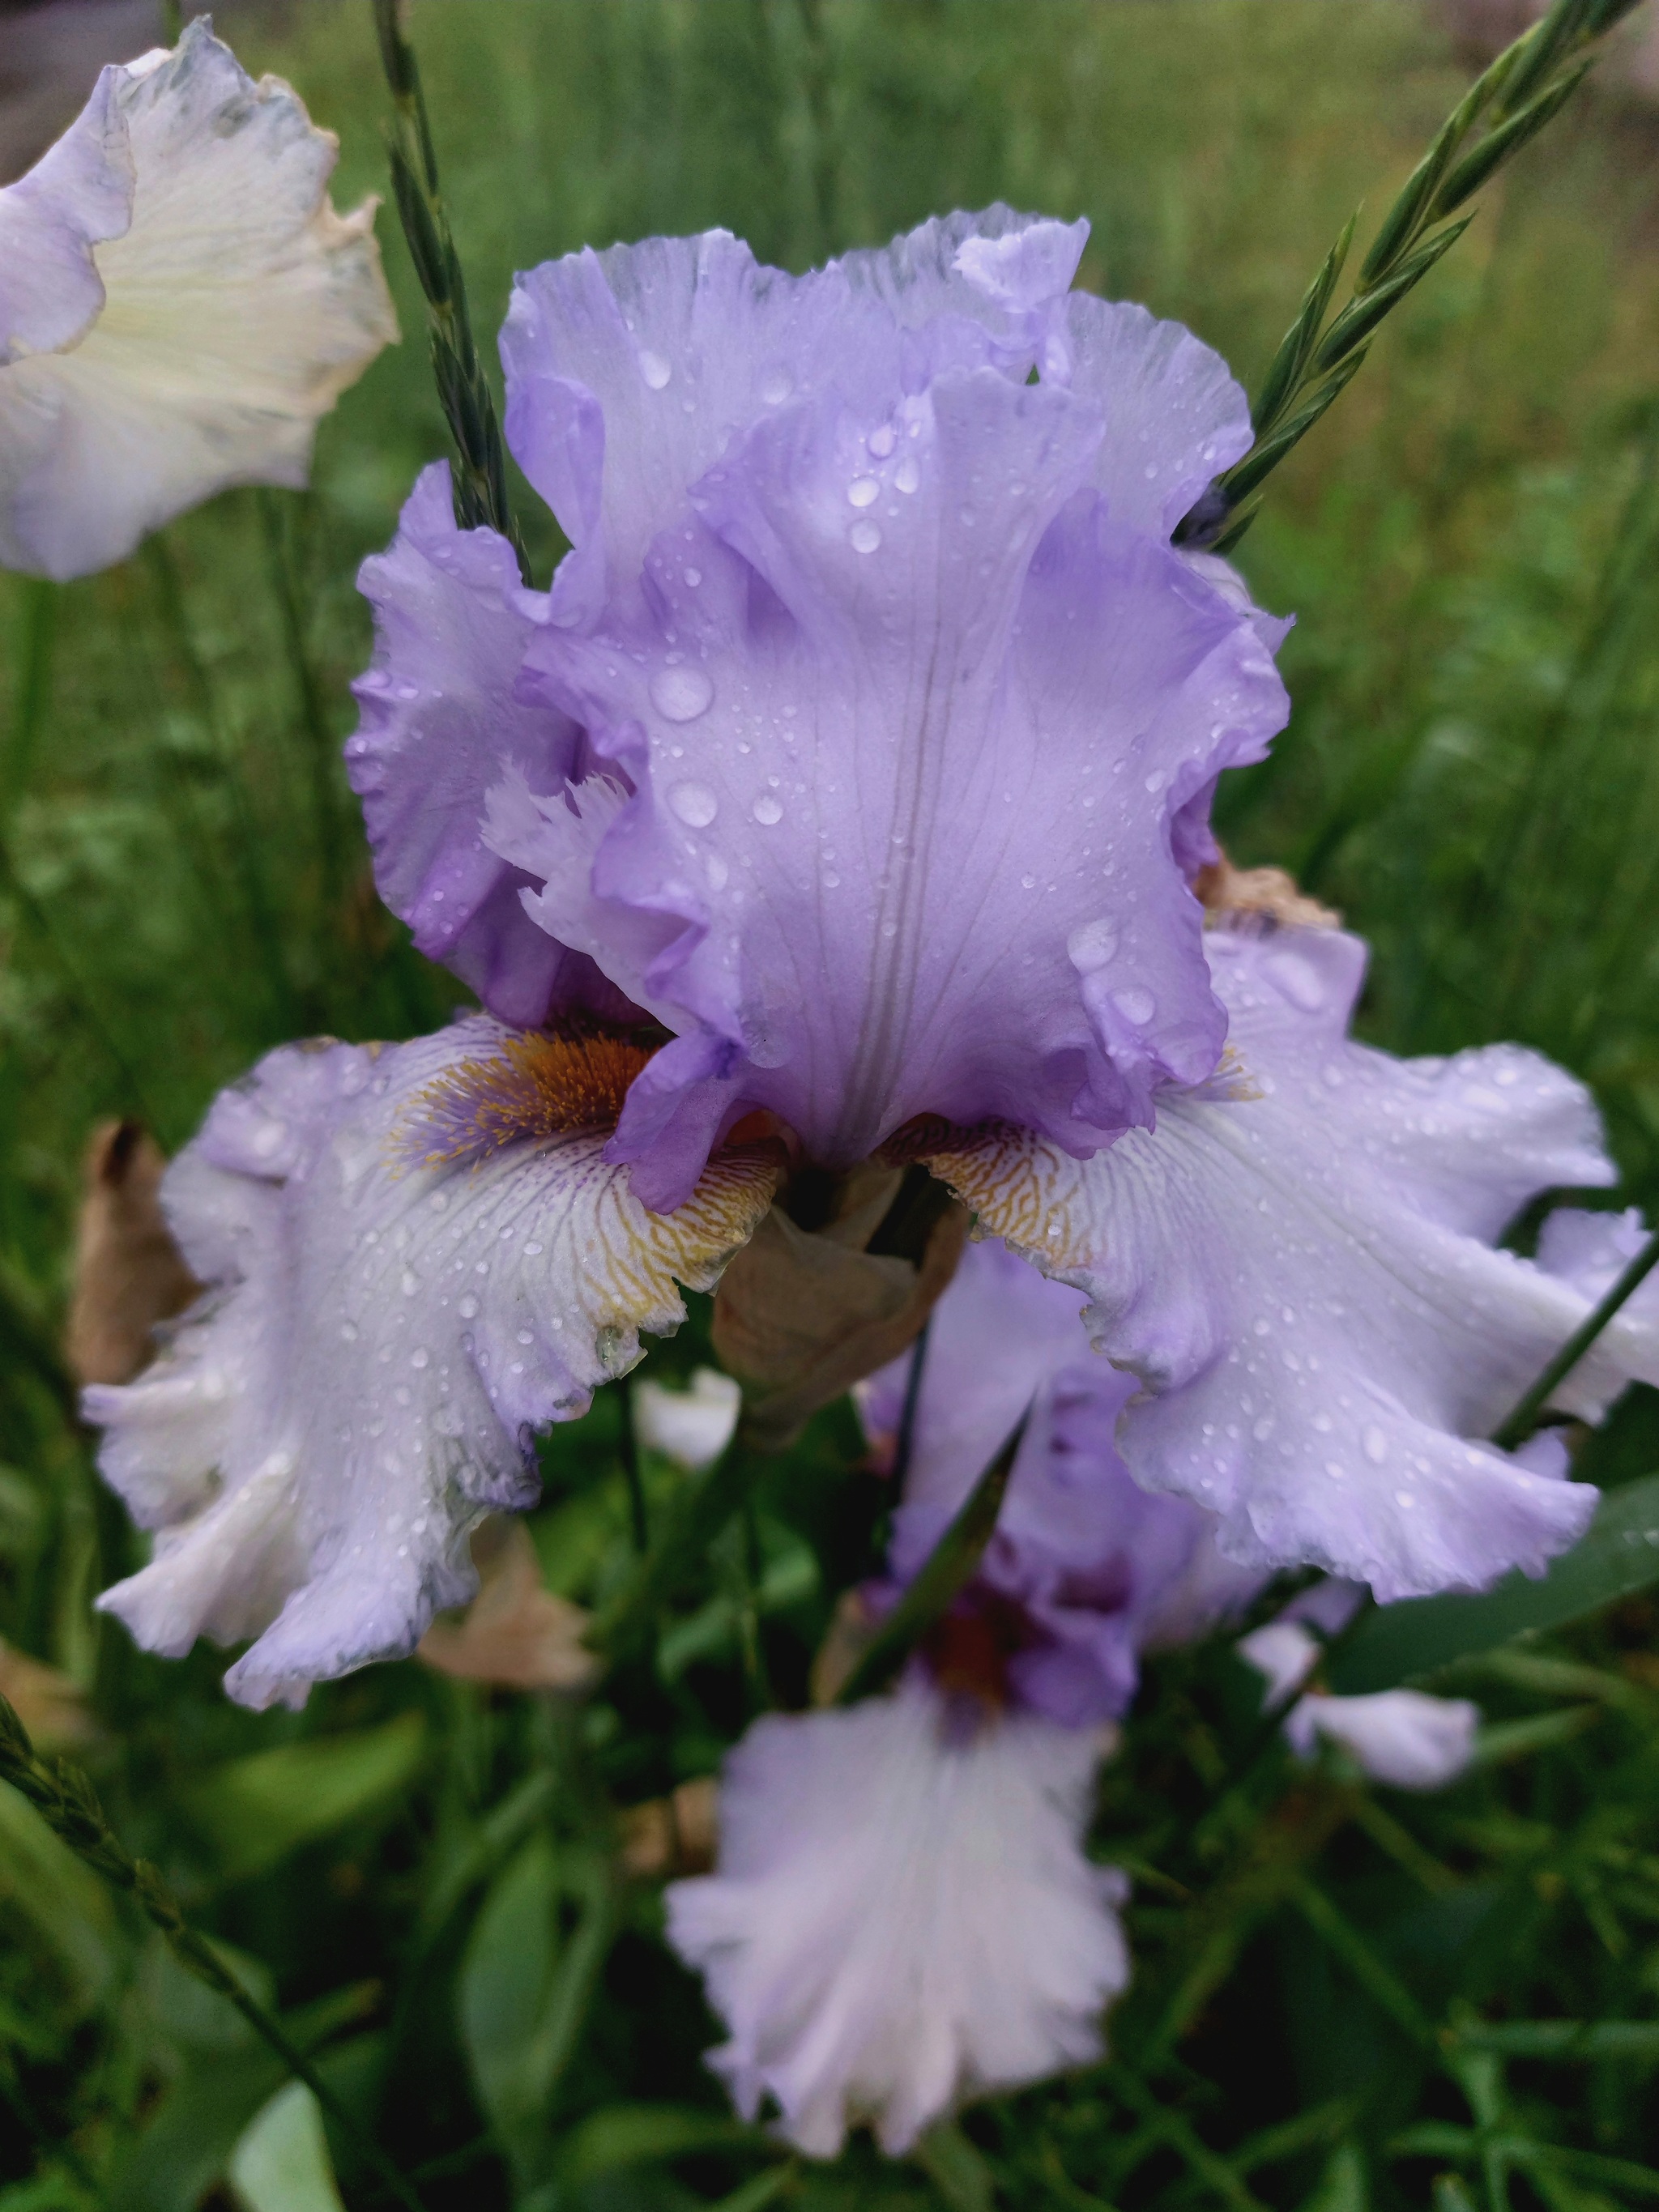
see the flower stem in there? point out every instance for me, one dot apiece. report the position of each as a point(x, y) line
point(948, 1567)
point(1505, 108)
point(468, 405)
point(1522, 1418)
point(66, 1800)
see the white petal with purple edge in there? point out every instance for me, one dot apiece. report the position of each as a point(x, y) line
point(379, 1340)
point(901, 1916)
point(1303, 1274)
point(238, 305)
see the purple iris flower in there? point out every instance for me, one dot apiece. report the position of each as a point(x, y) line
point(856, 769)
point(865, 738)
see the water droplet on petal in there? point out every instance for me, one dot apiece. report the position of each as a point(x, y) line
point(863, 537)
point(655, 370)
point(768, 810)
point(882, 440)
point(1135, 1005)
point(1375, 1444)
point(907, 476)
point(680, 695)
point(1091, 945)
point(863, 491)
point(777, 387)
point(695, 804)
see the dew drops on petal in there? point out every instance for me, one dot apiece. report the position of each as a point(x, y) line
point(655, 370)
point(1135, 1005)
point(680, 695)
point(695, 804)
point(1092, 945)
point(863, 537)
point(768, 810)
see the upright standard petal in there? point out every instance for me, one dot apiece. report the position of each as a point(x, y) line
point(905, 743)
point(901, 1916)
point(237, 306)
point(1299, 1264)
point(416, 1257)
point(631, 372)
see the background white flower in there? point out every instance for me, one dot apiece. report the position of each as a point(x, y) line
point(179, 303)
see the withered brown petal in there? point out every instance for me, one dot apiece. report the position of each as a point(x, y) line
point(1231, 894)
point(129, 1274)
point(800, 1317)
point(517, 1633)
point(675, 1835)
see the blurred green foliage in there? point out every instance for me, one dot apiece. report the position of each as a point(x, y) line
point(1345, 1998)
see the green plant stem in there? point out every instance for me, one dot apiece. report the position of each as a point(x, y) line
point(66, 1800)
point(627, 1449)
point(1512, 101)
point(1522, 1418)
point(308, 696)
point(479, 468)
point(696, 1515)
point(949, 1568)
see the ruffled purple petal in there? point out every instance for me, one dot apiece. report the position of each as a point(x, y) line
point(1175, 415)
point(440, 724)
point(906, 741)
point(1591, 1251)
point(1303, 1274)
point(631, 372)
point(379, 1339)
point(1098, 1568)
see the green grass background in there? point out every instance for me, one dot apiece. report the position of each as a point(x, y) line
point(1471, 773)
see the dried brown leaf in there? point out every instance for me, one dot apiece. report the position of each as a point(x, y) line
point(517, 1633)
point(129, 1274)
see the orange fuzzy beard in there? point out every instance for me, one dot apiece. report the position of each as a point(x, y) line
point(537, 1086)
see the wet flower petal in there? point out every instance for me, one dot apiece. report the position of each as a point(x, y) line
point(1298, 1263)
point(896, 717)
point(441, 723)
point(901, 1916)
point(1590, 1251)
point(381, 1335)
point(1097, 1569)
point(914, 836)
point(237, 305)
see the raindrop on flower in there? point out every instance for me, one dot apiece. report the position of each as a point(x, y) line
point(695, 804)
point(767, 809)
point(1092, 945)
point(863, 537)
point(655, 370)
point(680, 695)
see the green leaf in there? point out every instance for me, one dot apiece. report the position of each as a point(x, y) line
point(956, 2169)
point(1618, 1554)
point(188, 2143)
point(634, 2135)
point(1578, 2040)
point(281, 2163)
point(69, 1908)
point(1342, 2186)
point(505, 1978)
point(950, 1566)
point(255, 1811)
